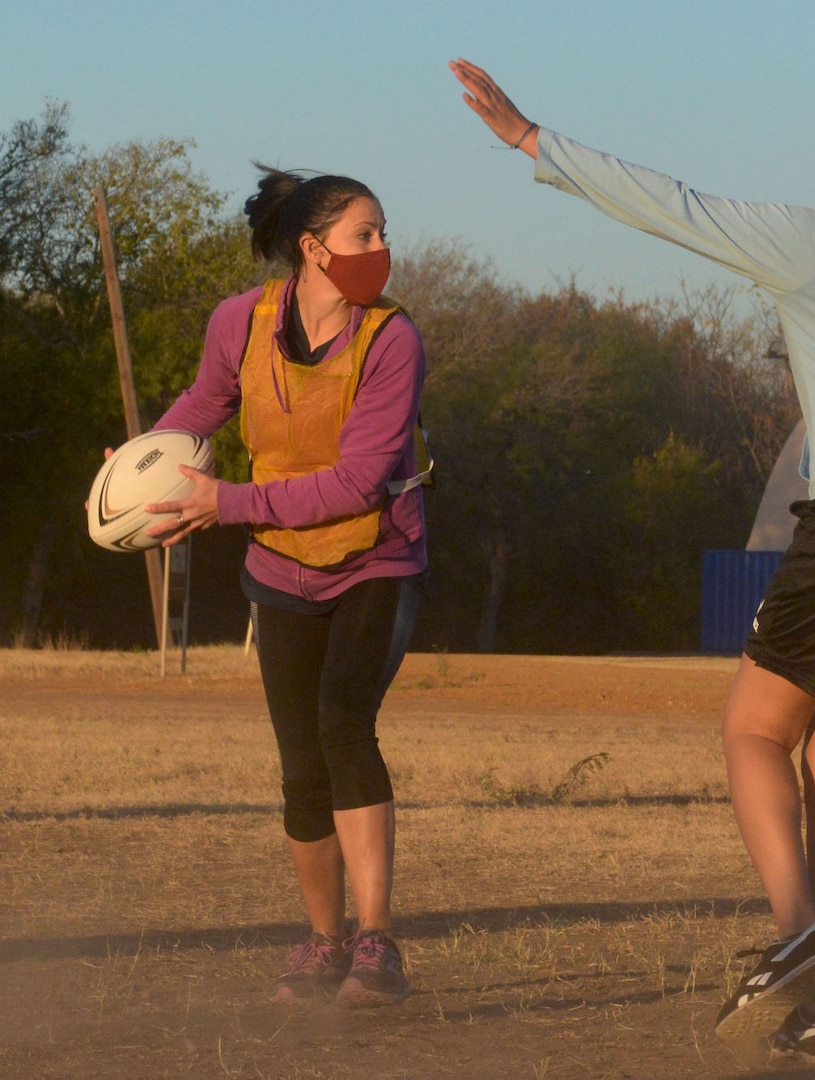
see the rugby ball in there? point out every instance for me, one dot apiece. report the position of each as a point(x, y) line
point(143, 470)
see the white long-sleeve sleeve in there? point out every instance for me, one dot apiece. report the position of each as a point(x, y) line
point(772, 244)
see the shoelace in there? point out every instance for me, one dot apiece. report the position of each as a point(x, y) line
point(756, 951)
point(309, 956)
point(742, 953)
point(368, 952)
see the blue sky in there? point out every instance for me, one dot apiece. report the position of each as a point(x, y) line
point(716, 92)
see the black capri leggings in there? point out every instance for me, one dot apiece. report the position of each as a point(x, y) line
point(323, 676)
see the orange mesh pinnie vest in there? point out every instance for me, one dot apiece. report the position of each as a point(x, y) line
point(291, 417)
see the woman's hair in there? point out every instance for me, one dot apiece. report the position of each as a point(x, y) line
point(286, 205)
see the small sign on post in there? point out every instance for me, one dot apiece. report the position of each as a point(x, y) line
point(175, 609)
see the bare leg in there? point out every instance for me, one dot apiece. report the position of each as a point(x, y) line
point(808, 774)
point(764, 721)
point(364, 843)
point(366, 836)
point(321, 875)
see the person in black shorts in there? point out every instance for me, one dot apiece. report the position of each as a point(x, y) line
point(773, 696)
point(782, 641)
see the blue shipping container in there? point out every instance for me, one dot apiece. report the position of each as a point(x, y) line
point(733, 585)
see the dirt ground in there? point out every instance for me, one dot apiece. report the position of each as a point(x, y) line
point(550, 929)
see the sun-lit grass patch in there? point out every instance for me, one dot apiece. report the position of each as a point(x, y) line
point(571, 892)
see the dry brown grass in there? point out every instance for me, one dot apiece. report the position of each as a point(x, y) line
point(571, 890)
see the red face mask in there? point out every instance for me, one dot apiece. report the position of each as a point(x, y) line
point(360, 278)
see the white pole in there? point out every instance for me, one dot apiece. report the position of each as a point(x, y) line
point(185, 618)
point(165, 610)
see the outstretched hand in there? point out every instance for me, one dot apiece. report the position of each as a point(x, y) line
point(494, 107)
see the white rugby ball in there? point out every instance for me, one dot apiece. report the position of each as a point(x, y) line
point(143, 470)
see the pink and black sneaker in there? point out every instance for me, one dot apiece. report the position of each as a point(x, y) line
point(318, 966)
point(376, 976)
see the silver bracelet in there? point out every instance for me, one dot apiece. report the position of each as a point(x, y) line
point(515, 146)
point(531, 127)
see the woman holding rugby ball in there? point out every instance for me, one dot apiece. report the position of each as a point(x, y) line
point(326, 375)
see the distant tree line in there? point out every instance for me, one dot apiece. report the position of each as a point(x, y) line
point(587, 451)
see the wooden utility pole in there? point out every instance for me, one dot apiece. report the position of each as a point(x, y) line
point(129, 400)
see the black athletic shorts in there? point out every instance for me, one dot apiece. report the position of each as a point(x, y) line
point(783, 636)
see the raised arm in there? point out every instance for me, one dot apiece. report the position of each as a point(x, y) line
point(773, 244)
point(495, 108)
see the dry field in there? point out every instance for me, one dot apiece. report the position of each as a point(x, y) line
point(571, 890)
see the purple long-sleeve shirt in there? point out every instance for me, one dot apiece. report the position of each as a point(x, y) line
point(376, 445)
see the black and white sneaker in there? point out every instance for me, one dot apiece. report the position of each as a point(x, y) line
point(783, 978)
point(795, 1039)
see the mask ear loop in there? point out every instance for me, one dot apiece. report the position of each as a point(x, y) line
point(322, 245)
